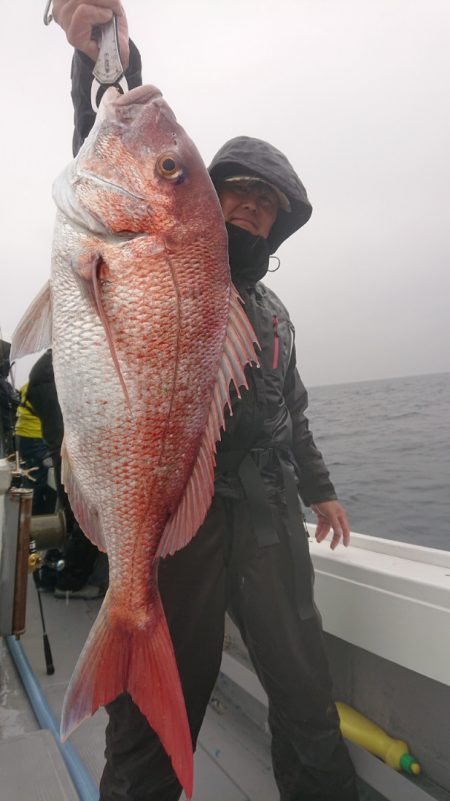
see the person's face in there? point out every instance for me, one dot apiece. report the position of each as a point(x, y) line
point(252, 206)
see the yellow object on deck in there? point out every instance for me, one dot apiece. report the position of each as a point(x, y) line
point(362, 731)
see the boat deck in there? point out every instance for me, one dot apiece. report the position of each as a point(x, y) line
point(232, 762)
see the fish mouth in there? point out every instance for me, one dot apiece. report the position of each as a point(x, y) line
point(139, 96)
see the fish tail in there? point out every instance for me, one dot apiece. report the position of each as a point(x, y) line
point(154, 685)
point(141, 662)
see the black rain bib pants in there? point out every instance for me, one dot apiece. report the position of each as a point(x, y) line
point(225, 568)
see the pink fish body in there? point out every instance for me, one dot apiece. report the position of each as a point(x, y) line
point(147, 334)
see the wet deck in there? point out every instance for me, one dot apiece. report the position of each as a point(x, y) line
point(232, 760)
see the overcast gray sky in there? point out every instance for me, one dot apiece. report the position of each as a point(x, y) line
point(355, 92)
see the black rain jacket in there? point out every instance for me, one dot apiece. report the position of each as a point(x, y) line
point(269, 421)
point(41, 393)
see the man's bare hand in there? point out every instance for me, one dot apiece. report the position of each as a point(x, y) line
point(78, 20)
point(331, 515)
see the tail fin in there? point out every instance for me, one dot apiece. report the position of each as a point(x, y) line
point(141, 662)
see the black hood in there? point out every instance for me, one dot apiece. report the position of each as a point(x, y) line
point(245, 155)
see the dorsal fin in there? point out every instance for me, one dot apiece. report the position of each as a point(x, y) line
point(238, 351)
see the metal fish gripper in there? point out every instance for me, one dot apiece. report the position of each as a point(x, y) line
point(108, 70)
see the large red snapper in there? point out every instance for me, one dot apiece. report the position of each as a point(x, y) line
point(148, 333)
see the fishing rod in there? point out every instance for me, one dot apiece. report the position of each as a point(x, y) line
point(35, 563)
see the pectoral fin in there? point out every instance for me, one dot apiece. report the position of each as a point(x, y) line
point(92, 269)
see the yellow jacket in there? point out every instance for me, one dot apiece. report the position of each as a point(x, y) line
point(27, 423)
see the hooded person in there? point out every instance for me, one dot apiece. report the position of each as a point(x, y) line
point(247, 158)
point(272, 411)
point(250, 557)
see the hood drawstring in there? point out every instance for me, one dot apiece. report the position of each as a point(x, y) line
point(274, 269)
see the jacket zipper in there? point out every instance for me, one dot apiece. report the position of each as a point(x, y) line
point(276, 343)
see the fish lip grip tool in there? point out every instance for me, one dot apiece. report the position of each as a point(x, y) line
point(48, 16)
point(108, 70)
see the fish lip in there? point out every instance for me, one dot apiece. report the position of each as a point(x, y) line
point(138, 96)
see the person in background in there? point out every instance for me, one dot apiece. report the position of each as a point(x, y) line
point(33, 455)
point(9, 401)
point(85, 574)
point(250, 557)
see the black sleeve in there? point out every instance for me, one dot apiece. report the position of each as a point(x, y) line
point(81, 76)
point(9, 402)
point(315, 485)
point(42, 395)
point(10, 397)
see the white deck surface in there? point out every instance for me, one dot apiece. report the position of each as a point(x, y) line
point(232, 762)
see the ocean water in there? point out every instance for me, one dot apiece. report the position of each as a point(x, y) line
point(387, 446)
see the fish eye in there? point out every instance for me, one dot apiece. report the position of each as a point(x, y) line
point(168, 167)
